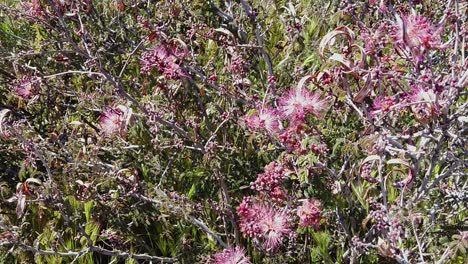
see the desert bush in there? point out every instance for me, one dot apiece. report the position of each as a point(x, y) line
point(233, 131)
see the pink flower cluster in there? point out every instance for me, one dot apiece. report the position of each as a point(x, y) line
point(416, 31)
point(294, 107)
point(164, 58)
point(271, 180)
point(310, 213)
point(231, 256)
point(382, 105)
point(266, 224)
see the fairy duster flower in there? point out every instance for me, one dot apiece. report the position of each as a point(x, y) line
point(416, 31)
point(114, 120)
point(267, 224)
point(299, 102)
point(231, 256)
point(265, 118)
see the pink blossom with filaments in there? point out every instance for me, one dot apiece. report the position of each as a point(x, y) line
point(275, 226)
point(416, 31)
point(310, 213)
point(231, 256)
point(266, 118)
point(112, 121)
point(265, 223)
point(299, 102)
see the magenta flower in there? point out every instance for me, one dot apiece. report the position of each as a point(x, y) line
point(274, 225)
point(266, 224)
point(265, 118)
point(231, 256)
point(112, 121)
point(299, 102)
point(27, 86)
point(310, 213)
point(424, 104)
point(164, 58)
point(416, 31)
point(382, 104)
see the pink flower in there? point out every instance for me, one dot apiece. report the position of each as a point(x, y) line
point(27, 86)
point(265, 118)
point(266, 224)
point(274, 225)
point(112, 121)
point(416, 31)
point(231, 256)
point(164, 58)
point(310, 213)
point(299, 102)
point(424, 104)
point(382, 104)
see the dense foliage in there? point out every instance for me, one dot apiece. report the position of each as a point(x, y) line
point(233, 131)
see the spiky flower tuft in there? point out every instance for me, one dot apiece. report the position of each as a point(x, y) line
point(299, 102)
point(231, 256)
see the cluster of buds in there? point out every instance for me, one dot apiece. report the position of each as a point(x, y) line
point(382, 105)
point(165, 58)
point(310, 213)
point(366, 172)
point(319, 148)
point(238, 66)
point(291, 138)
point(271, 180)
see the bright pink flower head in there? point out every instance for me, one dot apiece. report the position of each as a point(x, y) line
point(299, 102)
point(424, 103)
point(112, 121)
point(416, 31)
point(27, 86)
point(274, 225)
point(231, 256)
point(264, 223)
point(310, 213)
point(265, 118)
